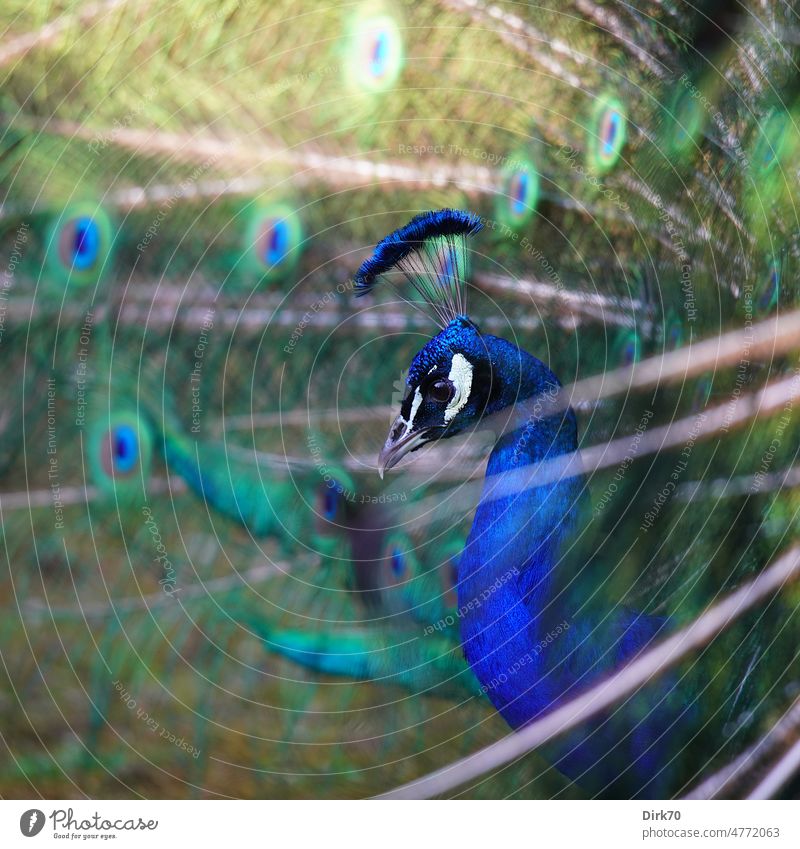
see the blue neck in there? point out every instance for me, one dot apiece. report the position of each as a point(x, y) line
point(519, 634)
point(507, 570)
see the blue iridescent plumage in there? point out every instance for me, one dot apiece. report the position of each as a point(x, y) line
point(430, 251)
point(511, 582)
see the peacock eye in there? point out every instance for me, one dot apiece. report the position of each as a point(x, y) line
point(440, 391)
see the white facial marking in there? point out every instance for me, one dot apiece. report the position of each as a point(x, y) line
point(414, 407)
point(461, 378)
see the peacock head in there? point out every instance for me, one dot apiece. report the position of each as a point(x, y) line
point(454, 383)
point(446, 391)
point(461, 376)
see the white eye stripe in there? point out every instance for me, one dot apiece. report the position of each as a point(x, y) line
point(461, 378)
point(414, 407)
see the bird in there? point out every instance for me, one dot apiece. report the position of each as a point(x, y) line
point(530, 647)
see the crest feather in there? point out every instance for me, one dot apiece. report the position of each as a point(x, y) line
point(431, 253)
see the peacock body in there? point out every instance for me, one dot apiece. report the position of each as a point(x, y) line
point(508, 591)
point(207, 589)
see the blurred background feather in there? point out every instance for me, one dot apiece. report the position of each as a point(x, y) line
point(206, 589)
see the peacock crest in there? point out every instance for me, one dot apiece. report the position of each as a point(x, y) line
point(431, 254)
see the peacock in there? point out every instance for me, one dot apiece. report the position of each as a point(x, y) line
point(509, 572)
point(207, 588)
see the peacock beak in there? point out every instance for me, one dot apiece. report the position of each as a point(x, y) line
point(398, 444)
